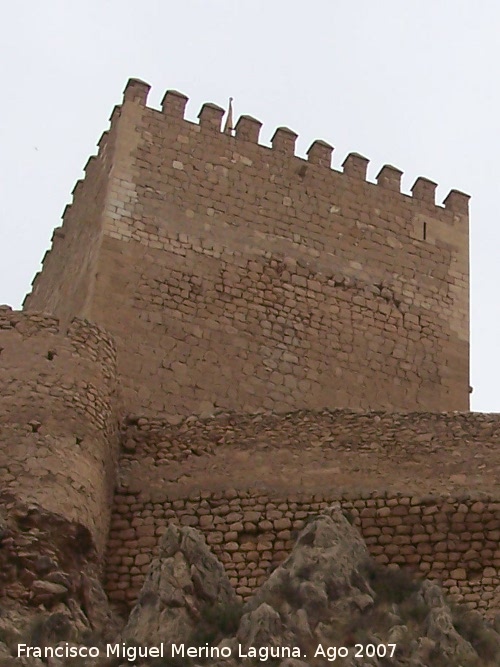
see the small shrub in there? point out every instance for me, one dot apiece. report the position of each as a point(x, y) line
point(376, 620)
point(289, 591)
point(91, 638)
point(307, 538)
point(10, 639)
point(472, 628)
point(217, 621)
point(203, 634)
point(358, 580)
point(225, 618)
point(349, 516)
point(390, 585)
point(414, 609)
point(147, 598)
point(37, 630)
point(439, 659)
point(305, 571)
point(335, 589)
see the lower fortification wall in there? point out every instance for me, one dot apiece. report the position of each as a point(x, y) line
point(424, 488)
point(454, 540)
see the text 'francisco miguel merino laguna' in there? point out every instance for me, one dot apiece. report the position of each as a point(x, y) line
point(131, 653)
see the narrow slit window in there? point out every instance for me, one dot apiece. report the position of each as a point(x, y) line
point(424, 231)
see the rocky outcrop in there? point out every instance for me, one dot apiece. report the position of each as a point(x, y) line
point(49, 581)
point(328, 598)
point(329, 593)
point(328, 602)
point(184, 582)
point(321, 582)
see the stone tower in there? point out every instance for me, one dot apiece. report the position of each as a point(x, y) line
point(240, 276)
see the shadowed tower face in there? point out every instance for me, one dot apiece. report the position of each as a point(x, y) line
point(241, 276)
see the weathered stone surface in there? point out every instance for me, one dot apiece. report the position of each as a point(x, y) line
point(319, 573)
point(260, 627)
point(242, 317)
point(440, 627)
point(49, 578)
point(328, 587)
point(223, 253)
point(181, 581)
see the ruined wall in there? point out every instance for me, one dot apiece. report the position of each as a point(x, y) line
point(239, 276)
point(313, 451)
point(422, 487)
point(58, 426)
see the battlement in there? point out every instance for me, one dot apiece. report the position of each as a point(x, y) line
point(283, 141)
point(240, 276)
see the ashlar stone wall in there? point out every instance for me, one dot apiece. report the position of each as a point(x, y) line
point(69, 268)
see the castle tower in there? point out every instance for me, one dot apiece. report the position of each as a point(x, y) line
point(58, 422)
point(241, 276)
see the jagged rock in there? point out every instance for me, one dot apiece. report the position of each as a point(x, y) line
point(329, 586)
point(7, 659)
point(47, 592)
point(322, 574)
point(440, 628)
point(4, 651)
point(96, 607)
point(182, 581)
point(260, 627)
point(397, 634)
point(49, 575)
point(44, 564)
point(61, 578)
point(422, 652)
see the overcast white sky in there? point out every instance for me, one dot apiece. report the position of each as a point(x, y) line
point(414, 84)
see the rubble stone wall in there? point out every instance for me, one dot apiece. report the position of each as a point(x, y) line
point(313, 451)
point(58, 422)
point(451, 539)
point(423, 488)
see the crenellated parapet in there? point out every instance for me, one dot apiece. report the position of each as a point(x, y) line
point(58, 421)
point(69, 264)
point(283, 141)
